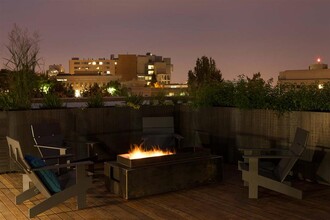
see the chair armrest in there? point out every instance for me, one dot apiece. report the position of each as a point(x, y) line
point(263, 149)
point(56, 166)
point(264, 154)
point(51, 147)
point(270, 156)
point(57, 157)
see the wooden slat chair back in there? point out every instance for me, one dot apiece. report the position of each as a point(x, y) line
point(160, 132)
point(158, 125)
point(48, 139)
point(297, 148)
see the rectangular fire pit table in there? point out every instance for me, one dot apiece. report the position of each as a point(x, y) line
point(142, 177)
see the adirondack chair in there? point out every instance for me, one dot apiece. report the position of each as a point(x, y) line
point(55, 189)
point(159, 132)
point(255, 175)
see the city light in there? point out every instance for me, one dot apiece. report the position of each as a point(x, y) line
point(77, 93)
point(319, 60)
point(111, 90)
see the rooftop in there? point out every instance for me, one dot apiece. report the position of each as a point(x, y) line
point(227, 199)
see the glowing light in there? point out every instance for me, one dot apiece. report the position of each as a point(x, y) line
point(94, 63)
point(318, 60)
point(320, 86)
point(77, 93)
point(101, 63)
point(138, 152)
point(111, 90)
point(45, 88)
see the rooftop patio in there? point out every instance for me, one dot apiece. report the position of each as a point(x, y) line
point(227, 199)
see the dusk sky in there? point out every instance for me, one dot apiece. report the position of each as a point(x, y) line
point(242, 36)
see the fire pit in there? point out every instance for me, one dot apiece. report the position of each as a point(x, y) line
point(137, 176)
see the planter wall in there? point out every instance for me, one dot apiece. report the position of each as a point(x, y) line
point(223, 130)
point(114, 128)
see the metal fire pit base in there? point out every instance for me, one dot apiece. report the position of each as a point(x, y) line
point(137, 182)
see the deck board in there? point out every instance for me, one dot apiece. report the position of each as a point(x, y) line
point(227, 200)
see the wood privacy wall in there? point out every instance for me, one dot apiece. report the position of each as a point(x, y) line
point(223, 130)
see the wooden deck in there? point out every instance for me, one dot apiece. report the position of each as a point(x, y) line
point(224, 200)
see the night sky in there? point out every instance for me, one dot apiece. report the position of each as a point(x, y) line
point(242, 36)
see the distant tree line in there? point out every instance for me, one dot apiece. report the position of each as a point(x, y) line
point(208, 89)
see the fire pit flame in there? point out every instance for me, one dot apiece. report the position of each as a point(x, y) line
point(138, 152)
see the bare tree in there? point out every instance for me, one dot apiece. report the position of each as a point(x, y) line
point(23, 59)
point(23, 50)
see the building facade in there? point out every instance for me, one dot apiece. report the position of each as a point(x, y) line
point(316, 73)
point(128, 67)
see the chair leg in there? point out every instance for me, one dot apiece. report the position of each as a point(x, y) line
point(56, 199)
point(81, 200)
point(26, 182)
point(27, 194)
point(250, 178)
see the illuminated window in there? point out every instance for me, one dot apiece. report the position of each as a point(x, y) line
point(101, 63)
point(150, 72)
point(98, 68)
point(151, 67)
point(89, 63)
point(115, 63)
point(94, 63)
point(108, 72)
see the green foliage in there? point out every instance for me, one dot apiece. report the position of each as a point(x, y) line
point(4, 80)
point(95, 101)
point(253, 92)
point(21, 89)
point(114, 88)
point(221, 94)
point(93, 90)
point(153, 80)
point(205, 73)
point(256, 93)
point(6, 102)
point(134, 101)
point(51, 101)
point(159, 98)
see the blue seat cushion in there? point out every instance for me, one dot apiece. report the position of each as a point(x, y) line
point(48, 177)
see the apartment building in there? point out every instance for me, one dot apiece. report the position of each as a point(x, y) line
point(128, 67)
point(316, 73)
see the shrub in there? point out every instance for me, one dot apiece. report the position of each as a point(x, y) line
point(95, 101)
point(51, 101)
point(134, 101)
